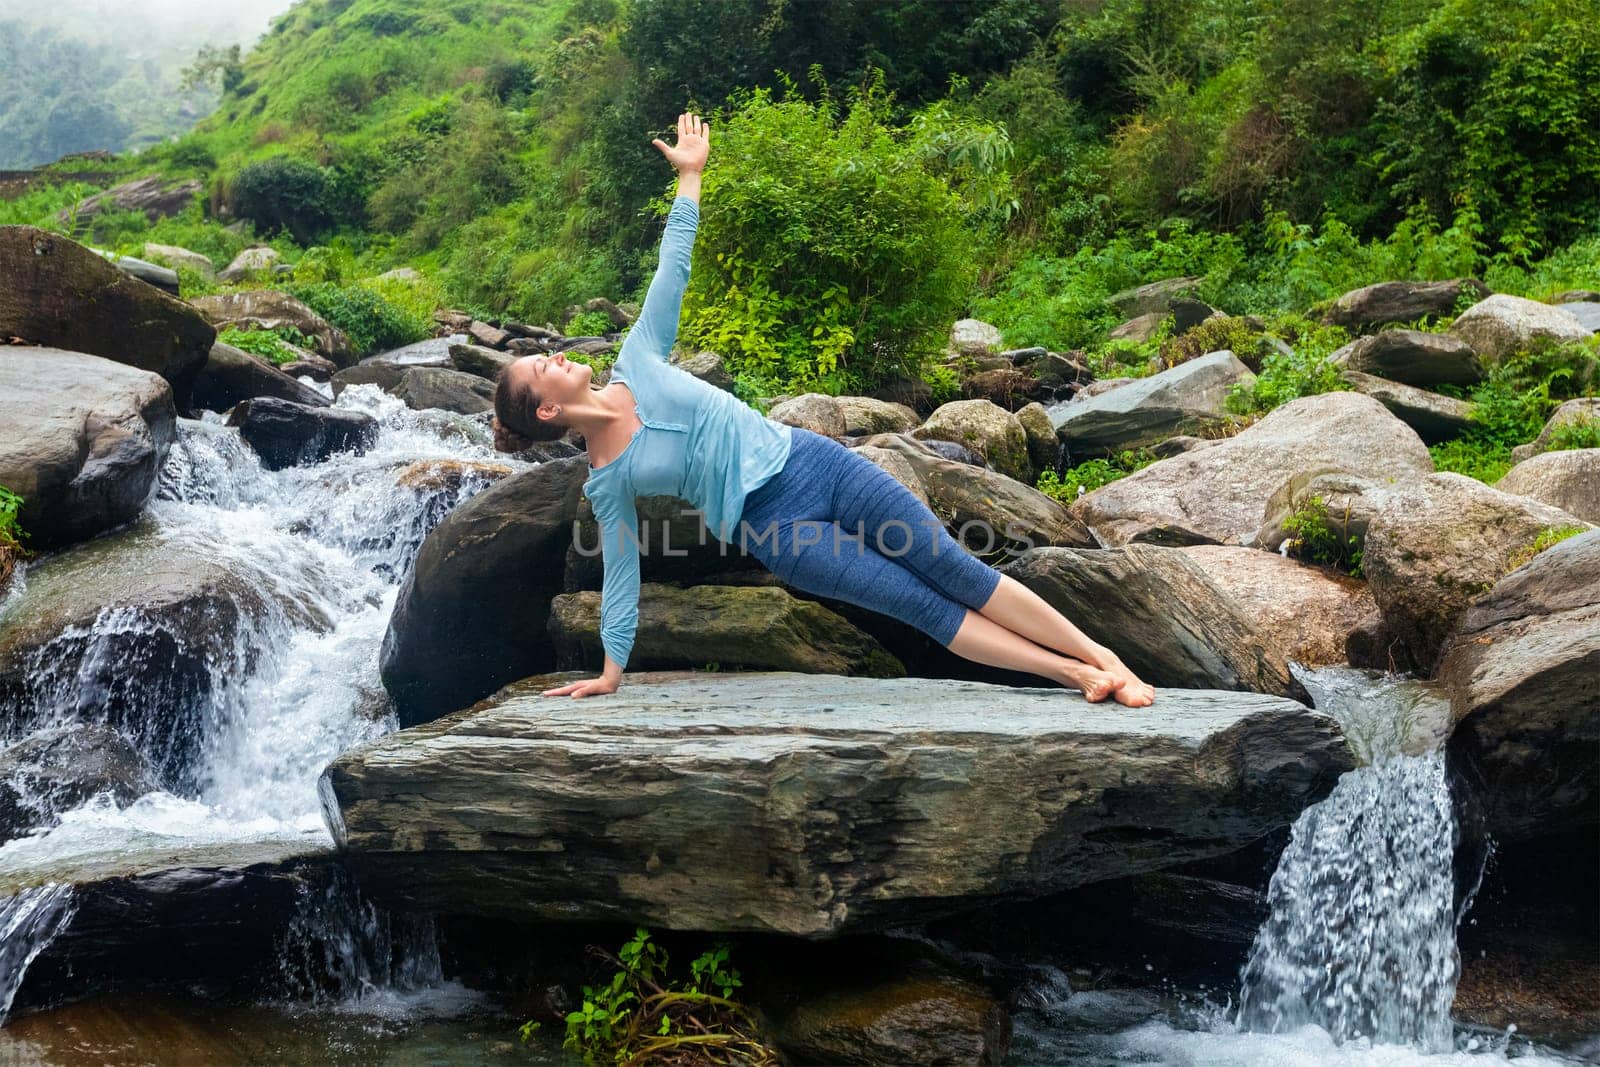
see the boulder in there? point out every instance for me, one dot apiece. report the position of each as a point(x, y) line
point(428, 352)
point(974, 337)
point(59, 294)
point(1387, 302)
point(286, 434)
point(1414, 357)
point(1044, 447)
point(163, 278)
point(1140, 329)
point(310, 365)
point(1191, 396)
point(1569, 480)
point(908, 1018)
point(986, 428)
point(1434, 416)
point(907, 389)
point(82, 441)
point(484, 362)
point(1187, 313)
point(675, 547)
point(1152, 298)
point(1306, 612)
point(473, 613)
point(1500, 326)
point(869, 415)
point(1577, 409)
point(423, 388)
point(816, 412)
point(1523, 670)
point(984, 510)
point(1004, 387)
point(231, 375)
point(488, 336)
point(251, 264)
point(1438, 542)
point(1587, 312)
point(737, 627)
point(840, 804)
point(153, 195)
point(1158, 611)
point(709, 368)
point(1221, 494)
point(268, 309)
point(61, 767)
point(407, 275)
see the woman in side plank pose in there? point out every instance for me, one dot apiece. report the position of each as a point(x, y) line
point(816, 514)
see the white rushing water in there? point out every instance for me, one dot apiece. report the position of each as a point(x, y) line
point(1356, 964)
point(320, 552)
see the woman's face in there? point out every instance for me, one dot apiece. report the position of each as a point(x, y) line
point(553, 378)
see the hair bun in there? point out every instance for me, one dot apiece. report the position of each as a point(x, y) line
point(508, 440)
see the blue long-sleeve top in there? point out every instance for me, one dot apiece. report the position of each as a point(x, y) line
point(695, 441)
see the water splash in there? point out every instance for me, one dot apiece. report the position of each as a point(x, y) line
point(1361, 940)
point(244, 713)
point(29, 921)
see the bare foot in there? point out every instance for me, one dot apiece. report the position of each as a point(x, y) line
point(1095, 683)
point(1131, 691)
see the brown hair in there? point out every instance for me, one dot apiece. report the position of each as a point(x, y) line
point(516, 422)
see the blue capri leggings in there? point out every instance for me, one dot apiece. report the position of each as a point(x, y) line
point(834, 523)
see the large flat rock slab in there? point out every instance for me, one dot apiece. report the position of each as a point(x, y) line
point(810, 804)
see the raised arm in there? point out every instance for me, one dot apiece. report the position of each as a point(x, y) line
point(653, 333)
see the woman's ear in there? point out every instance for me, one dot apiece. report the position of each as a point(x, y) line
point(547, 410)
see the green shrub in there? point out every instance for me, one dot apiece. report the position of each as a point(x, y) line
point(285, 193)
point(268, 344)
point(833, 252)
point(1581, 432)
point(589, 324)
point(372, 323)
point(1305, 370)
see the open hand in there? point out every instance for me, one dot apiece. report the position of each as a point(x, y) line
point(585, 688)
point(694, 144)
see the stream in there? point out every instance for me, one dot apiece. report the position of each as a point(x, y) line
point(1357, 963)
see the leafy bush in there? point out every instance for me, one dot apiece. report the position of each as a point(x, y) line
point(642, 1017)
point(268, 344)
point(589, 324)
point(372, 323)
point(285, 193)
point(833, 252)
point(1582, 432)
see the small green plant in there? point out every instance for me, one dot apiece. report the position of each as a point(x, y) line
point(270, 345)
point(1315, 537)
point(1550, 535)
point(1581, 432)
point(1091, 474)
point(945, 381)
point(589, 324)
point(11, 533)
point(640, 1017)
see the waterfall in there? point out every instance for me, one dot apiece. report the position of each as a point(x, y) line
point(238, 714)
point(1361, 936)
point(1361, 939)
point(29, 921)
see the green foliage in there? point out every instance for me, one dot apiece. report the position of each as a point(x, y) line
point(1581, 432)
point(589, 324)
point(268, 344)
point(11, 534)
point(285, 193)
point(1091, 474)
point(833, 251)
point(1304, 370)
point(1322, 539)
point(372, 322)
point(1511, 406)
point(642, 1017)
point(1550, 535)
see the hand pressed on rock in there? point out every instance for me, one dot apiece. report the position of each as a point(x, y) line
point(585, 688)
